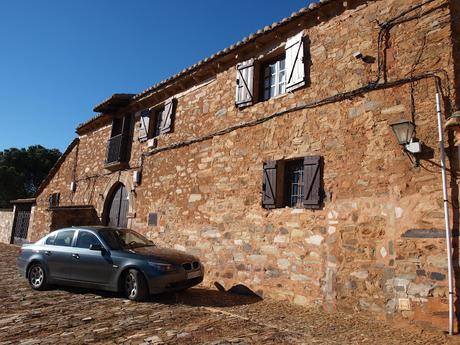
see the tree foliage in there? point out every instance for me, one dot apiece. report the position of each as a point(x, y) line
point(22, 171)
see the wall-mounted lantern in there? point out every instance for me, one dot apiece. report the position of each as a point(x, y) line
point(404, 131)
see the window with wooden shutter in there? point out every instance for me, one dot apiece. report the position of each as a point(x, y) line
point(54, 199)
point(244, 83)
point(295, 64)
point(269, 185)
point(167, 116)
point(273, 78)
point(295, 183)
point(313, 170)
point(145, 125)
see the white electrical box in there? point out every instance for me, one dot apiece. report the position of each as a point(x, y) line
point(137, 177)
point(414, 147)
point(152, 143)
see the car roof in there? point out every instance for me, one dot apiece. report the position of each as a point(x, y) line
point(99, 228)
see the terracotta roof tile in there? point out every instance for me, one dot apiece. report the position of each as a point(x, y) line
point(266, 29)
point(311, 7)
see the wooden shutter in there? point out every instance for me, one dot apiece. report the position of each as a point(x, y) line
point(167, 117)
point(127, 123)
point(145, 125)
point(244, 83)
point(295, 68)
point(312, 175)
point(269, 186)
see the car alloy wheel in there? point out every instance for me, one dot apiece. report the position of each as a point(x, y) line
point(37, 277)
point(135, 286)
point(131, 286)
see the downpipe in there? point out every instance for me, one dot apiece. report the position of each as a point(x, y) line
point(446, 209)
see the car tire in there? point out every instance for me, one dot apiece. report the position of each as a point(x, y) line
point(135, 286)
point(36, 276)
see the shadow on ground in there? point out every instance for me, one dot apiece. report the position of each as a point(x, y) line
point(201, 297)
point(198, 297)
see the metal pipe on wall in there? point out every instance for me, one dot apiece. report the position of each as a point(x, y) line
point(446, 209)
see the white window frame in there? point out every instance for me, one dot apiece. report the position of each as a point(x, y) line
point(276, 80)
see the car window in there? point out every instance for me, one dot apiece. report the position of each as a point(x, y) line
point(85, 239)
point(64, 238)
point(122, 239)
point(50, 239)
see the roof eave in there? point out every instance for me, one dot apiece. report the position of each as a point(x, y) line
point(114, 102)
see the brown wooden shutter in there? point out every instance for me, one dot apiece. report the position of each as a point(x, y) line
point(312, 174)
point(167, 117)
point(295, 68)
point(269, 186)
point(145, 125)
point(244, 83)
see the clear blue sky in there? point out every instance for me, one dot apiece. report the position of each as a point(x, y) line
point(59, 58)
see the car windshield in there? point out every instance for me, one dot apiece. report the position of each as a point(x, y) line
point(118, 239)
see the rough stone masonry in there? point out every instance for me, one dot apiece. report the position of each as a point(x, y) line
point(374, 237)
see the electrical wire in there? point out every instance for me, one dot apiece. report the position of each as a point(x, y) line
point(328, 100)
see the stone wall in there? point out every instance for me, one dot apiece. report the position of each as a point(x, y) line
point(62, 217)
point(6, 225)
point(374, 243)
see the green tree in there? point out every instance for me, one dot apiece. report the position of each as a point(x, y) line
point(22, 171)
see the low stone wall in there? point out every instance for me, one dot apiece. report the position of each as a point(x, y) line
point(62, 217)
point(6, 225)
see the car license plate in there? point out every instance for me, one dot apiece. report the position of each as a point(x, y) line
point(192, 275)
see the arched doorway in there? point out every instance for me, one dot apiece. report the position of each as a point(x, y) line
point(117, 205)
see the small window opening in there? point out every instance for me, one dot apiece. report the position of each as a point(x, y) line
point(294, 180)
point(274, 78)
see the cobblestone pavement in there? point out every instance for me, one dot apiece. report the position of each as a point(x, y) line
point(198, 316)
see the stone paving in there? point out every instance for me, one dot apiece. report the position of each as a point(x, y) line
point(198, 316)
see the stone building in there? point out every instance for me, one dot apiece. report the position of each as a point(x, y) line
point(275, 162)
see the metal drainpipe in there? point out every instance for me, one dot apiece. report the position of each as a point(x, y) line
point(446, 211)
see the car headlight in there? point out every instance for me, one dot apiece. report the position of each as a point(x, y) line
point(162, 267)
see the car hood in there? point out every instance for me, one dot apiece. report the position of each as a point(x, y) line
point(164, 254)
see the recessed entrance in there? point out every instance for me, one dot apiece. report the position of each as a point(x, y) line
point(117, 204)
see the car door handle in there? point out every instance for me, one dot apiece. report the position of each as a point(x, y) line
point(76, 256)
point(47, 252)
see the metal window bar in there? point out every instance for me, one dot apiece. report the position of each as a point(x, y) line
point(295, 182)
point(117, 148)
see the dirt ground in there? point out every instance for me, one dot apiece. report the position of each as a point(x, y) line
point(197, 316)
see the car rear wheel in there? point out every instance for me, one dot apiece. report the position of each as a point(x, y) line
point(37, 277)
point(135, 286)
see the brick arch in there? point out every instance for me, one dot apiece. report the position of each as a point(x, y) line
point(126, 180)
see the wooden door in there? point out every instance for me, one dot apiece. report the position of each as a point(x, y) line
point(118, 208)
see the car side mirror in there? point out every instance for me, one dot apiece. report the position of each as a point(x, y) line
point(96, 247)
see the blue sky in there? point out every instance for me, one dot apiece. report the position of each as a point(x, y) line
point(60, 58)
